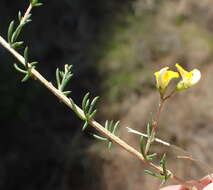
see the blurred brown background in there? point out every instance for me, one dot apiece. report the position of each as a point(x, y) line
point(115, 47)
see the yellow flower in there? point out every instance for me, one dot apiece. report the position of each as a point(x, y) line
point(163, 77)
point(188, 78)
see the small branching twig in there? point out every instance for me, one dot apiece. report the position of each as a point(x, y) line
point(88, 109)
point(63, 77)
point(27, 66)
point(165, 175)
point(144, 147)
point(12, 33)
point(112, 128)
point(130, 130)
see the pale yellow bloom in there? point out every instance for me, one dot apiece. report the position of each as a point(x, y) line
point(163, 77)
point(188, 78)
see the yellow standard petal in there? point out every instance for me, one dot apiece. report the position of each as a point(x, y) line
point(163, 77)
point(188, 78)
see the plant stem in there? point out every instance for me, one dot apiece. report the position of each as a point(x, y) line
point(93, 123)
point(154, 125)
point(159, 110)
point(26, 14)
point(62, 98)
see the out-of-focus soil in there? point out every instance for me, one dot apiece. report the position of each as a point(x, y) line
point(187, 118)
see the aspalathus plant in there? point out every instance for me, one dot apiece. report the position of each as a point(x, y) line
point(163, 78)
point(87, 111)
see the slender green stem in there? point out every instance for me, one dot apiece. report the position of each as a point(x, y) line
point(156, 121)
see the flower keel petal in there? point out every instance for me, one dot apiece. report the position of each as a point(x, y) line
point(188, 78)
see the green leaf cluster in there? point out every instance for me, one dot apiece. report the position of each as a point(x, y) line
point(145, 144)
point(28, 66)
point(14, 32)
point(88, 107)
point(35, 3)
point(165, 175)
point(112, 128)
point(63, 77)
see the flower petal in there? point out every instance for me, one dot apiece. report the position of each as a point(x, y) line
point(184, 74)
point(158, 76)
point(188, 78)
point(196, 76)
point(163, 77)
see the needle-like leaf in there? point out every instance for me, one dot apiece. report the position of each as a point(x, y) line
point(10, 31)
